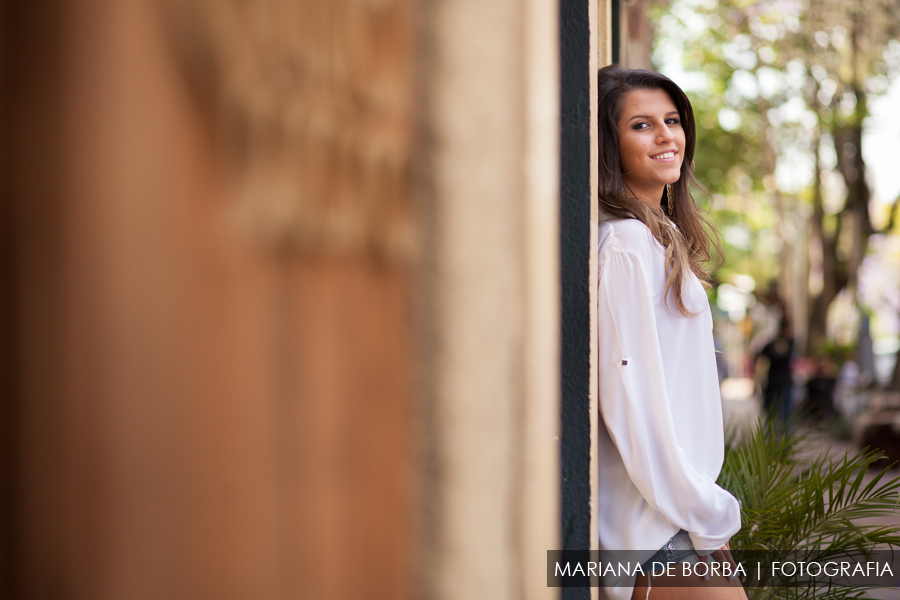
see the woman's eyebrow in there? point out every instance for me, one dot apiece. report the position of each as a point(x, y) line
point(671, 112)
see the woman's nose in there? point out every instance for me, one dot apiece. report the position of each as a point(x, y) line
point(665, 136)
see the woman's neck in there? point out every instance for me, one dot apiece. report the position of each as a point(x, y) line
point(651, 195)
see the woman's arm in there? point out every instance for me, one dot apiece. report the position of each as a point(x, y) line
point(635, 406)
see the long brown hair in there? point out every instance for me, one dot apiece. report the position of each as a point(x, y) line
point(687, 245)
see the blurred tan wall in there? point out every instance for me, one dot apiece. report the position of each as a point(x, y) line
point(637, 34)
point(279, 299)
point(194, 407)
point(490, 275)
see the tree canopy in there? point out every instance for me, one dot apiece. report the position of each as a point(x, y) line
point(781, 90)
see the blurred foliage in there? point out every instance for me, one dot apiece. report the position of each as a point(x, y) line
point(838, 353)
point(780, 90)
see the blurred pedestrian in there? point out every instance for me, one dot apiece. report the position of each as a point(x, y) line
point(819, 404)
point(778, 391)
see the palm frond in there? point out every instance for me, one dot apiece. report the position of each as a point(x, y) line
point(821, 507)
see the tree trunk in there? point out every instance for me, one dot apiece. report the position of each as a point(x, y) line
point(832, 282)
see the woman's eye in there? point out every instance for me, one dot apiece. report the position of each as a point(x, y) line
point(637, 126)
point(673, 121)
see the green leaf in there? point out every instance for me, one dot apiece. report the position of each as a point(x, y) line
point(819, 505)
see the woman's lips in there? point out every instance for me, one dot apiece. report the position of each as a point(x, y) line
point(667, 156)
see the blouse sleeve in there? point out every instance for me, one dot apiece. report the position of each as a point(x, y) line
point(636, 410)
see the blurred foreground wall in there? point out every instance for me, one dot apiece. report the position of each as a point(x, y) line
point(279, 299)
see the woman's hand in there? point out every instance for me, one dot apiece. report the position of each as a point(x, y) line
point(723, 555)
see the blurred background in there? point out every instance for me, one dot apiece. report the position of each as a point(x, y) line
point(296, 298)
point(798, 108)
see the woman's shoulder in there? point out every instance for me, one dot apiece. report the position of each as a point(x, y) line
point(628, 235)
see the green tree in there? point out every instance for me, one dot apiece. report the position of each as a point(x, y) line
point(785, 86)
point(846, 47)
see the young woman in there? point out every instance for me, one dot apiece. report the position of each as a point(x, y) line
point(662, 446)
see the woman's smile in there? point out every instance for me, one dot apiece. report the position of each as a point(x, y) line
point(667, 156)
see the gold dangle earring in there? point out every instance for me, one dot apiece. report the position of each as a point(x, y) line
point(671, 198)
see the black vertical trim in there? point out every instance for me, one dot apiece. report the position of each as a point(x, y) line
point(615, 15)
point(575, 219)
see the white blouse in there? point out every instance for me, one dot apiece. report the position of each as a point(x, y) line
point(663, 444)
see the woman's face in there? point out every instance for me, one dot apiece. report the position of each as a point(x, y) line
point(651, 142)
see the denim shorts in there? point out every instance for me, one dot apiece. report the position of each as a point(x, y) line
point(679, 548)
